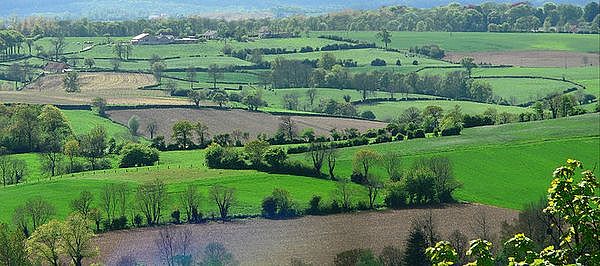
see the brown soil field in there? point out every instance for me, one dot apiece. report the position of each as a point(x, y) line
point(227, 120)
point(530, 58)
point(313, 239)
point(116, 88)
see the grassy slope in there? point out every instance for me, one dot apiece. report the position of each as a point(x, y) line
point(83, 121)
point(508, 165)
point(484, 41)
point(391, 110)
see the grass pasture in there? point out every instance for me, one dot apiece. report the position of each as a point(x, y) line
point(390, 110)
point(508, 165)
point(482, 41)
point(525, 90)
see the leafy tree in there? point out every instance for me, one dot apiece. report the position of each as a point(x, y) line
point(312, 95)
point(93, 145)
point(89, 62)
point(71, 150)
point(45, 243)
point(71, 82)
point(220, 97)
point(385, 36)
point(276, 157)
point(13, 250)
point(55, 129)
point(100, 105)
point(217, 254)
point(157, 70)
point(256, 151)
point(182, 133)
point(278, 205)
point(202, 133)
point(133, 125)
point(77, 239)
point(468, 63)
point(190, 199)
point(135, 155)
point(288, 128)
point(364, 160)
point(415, 248)
point(152, 127)
point(327, 61)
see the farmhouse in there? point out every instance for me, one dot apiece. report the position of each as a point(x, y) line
point(265, 33)
point(210, 35)
point(147, 39)
point(56, 67)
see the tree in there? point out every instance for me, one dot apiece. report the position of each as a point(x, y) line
point(77, 239)
point(288, 127)
point(278, 205)
point(55, 129)
point(136, 155)
point(317, 153)
point(202, 133)
point(116, 64)
point(291, 101)
point(71, 82)
point(182, 133)
point(254, 100)
point(133, 124)
point(256, 151)
point(191, 75)
point(119, 50)
point(468, 63)
point(327, 61)
point(391, 163)
point(93, 145)
point(13, 250)
point(36, 210)
point(58, 46)
point(83, 204)
point(363, 160)
point(89, 62)
point(100, 105)
point(152, 127)
point(415, 248)
point(385, 36)
point(151, 198)
point(223, 198)
point(220, 97)
point(45, 243)
point(374, 185)
point(312, 95)
point(190, 199)
point(217, 254)
point(157, 70)
point(344, 193)
point(331, 156)
point(215, 73)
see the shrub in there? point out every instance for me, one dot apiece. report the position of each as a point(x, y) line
point(399, 137)
point(159, 143)
point(314, 205)
point(278, 205)
point(138, 155)
point(415, 62)
point(419, 133)
point(180, 92)
point(176, 216)
point(398, 62)
point(119, 223)
point(222, 158)
point(378, 62)
point(137, 220)
point(452, 131)
point(383, 138)
point(103, 163)
point(275, 157)
point(370, 133)
point(395, 197)
point(368, 115)
point(358, 178)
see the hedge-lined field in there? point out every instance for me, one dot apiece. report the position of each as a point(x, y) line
point(482, 41)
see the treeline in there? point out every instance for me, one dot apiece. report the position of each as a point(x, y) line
point(489, 16)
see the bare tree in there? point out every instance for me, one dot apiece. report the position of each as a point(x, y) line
point(374, 185)
point(331, 156)
point(36, 210)
point(312, 94)
point(481, 225)
point(58, 46)
point(460, 242)
point(83, 203)
point(429, 227)
point(190, 199)
point(344, 193)
point(391, 163)
point(317, 154)
point(151, 198)
point(288, 127)
point(224, 198)
point(113, 198)
point(152, 127)
point(174, 245)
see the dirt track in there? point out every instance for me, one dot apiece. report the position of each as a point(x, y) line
point(530, 58)
point(226, 121)
point(315, 239)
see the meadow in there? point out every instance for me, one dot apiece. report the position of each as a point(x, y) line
point(481, 41)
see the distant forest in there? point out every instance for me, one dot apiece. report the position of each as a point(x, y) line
point(520, 17)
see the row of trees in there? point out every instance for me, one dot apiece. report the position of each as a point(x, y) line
point(491, 16)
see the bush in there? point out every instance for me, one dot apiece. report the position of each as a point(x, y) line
point(399, 137)
point(135, 155)
point(419, 133)
point(370, 133)
point(398, 62)
point(159, 143)
point(383, 138)
point(358, 178)
point(314, 205)
point(103, 163)
point(452, 131)
point(119, 223)
point(222, 158)
point(395, 197)
point(378, 62)
point(275, 157)
point(368, 115)
point(137, 220)
point(278, 205)
point(415, 62)
point(180, 92)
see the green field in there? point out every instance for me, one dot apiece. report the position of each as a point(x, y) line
point(482, 41)
point(83, 121)
point(364, 57)
point(391, 110)
point(508, 165)
point(525, 90)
